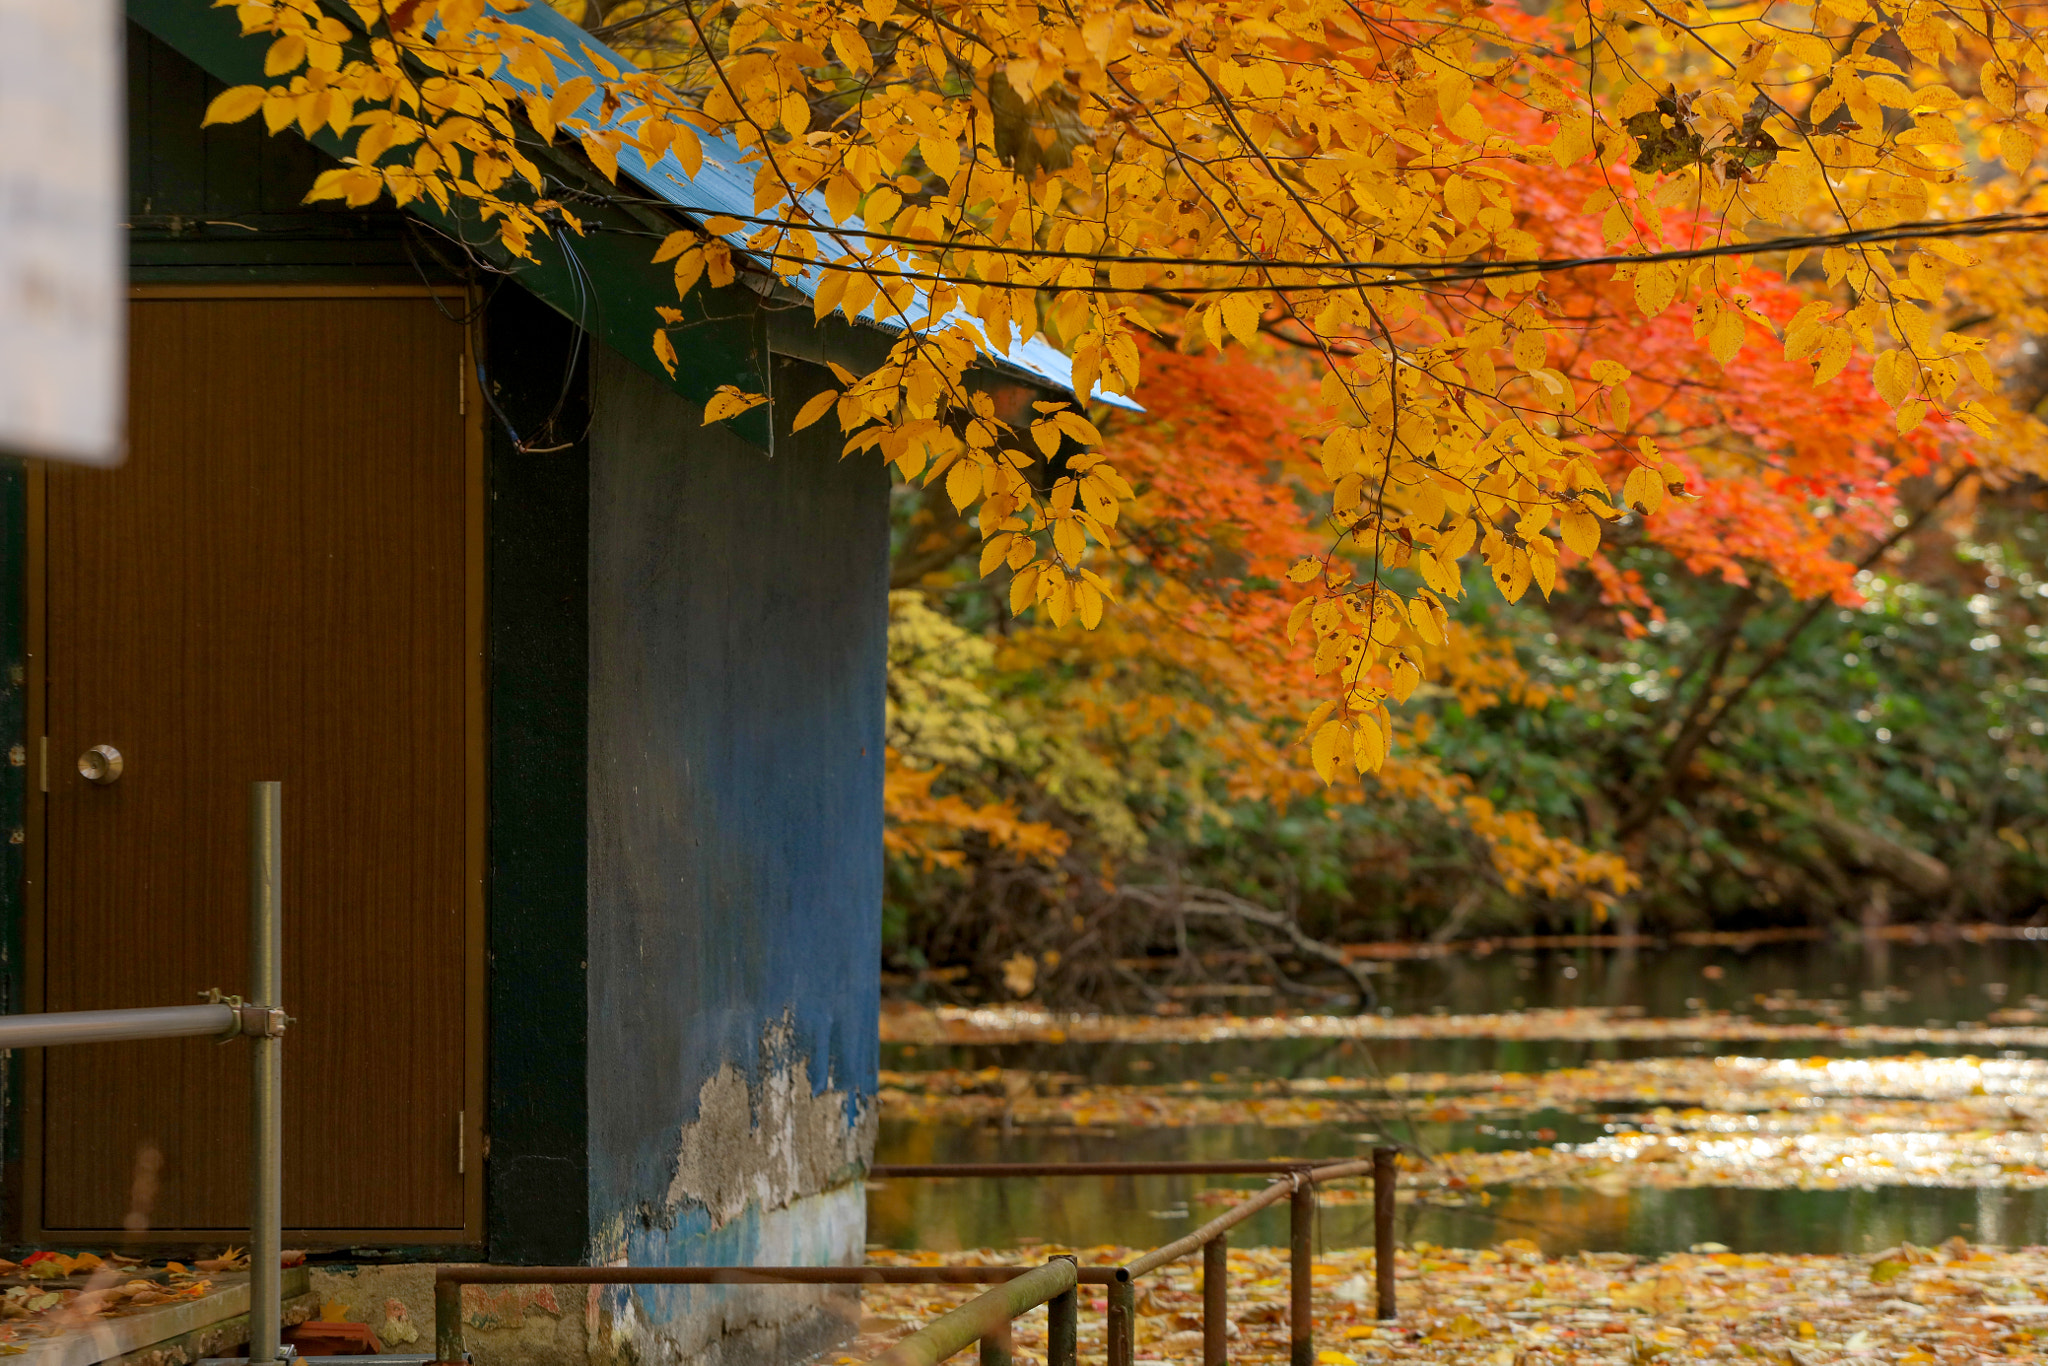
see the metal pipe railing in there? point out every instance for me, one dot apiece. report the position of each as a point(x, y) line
point(450, 1344)
point(261, 1020)
point(1384, 1176)
point(266, 1077)
point(884, 1171)
point(1299, 1190)
point(119, 1026)
point(987, 1317)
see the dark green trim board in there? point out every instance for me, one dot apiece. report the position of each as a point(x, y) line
point(13, 810)
point(604, 280)
point(537, 1182)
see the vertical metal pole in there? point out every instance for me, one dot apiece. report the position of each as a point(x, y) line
point(1062, 1327)
point(1383, 1177)
point(1301, 1229)
point(1123, 1321)
point(266, 1075)
point(448, 1345)
point(1216, 1300)
point(998, 1346)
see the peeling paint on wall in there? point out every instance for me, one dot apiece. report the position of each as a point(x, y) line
point(770, 1143)
point(769, 1173)
point(744, 1325)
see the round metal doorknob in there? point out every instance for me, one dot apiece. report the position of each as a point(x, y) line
point(100, 764)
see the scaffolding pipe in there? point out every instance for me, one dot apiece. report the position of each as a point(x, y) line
point(1216, 1300)
point(266, 1077)
point(118, 1026)
point(1121, 1302)
point(1063, 1325)
point(1301, 1241)
point(1384, 1175)
point(988, 1312)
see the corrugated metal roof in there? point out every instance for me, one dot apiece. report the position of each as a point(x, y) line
point(725, 185)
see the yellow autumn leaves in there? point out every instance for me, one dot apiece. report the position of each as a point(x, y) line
point(971, 176)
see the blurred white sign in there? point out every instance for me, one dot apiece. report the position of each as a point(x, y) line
point(63, 254)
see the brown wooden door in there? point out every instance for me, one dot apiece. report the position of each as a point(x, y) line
point(278, 585)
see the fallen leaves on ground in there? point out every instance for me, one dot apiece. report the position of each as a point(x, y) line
point(1512, 1306)
point(34, 1304)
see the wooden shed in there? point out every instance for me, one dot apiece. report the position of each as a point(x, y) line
point(577, 705)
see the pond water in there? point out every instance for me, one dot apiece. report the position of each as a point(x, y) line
point(1935, 985)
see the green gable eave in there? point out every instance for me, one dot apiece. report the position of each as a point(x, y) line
point(605, 280)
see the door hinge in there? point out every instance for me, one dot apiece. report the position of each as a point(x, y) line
point(462, 386)
point(43, 763)
point(462, 1142)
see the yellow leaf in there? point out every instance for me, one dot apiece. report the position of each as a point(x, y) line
point(852, 49)
point(1023, 589)
point(1241, 314)
point(963, 483)
point(1656, 286)
point(815, 408)
point(1581, 530)
point(1727, 337)
point(842, 197)
point(665, 352)
point(730, 401)
point(796, 113)
point(1297, 616)
point(1059, 603)
point(234, 104)
point(942, 154)
point(1089, 599)
point(688, 150)
point(1305, 570)
point(1368, 746)
point(1462, 198)
point(1911, 414)
point(1458, 540)
point(2015, 147)
point(1512, 575)
point(883, 202)
point(1326, 749)
point(1643, 490)
point(1835, 347)
point(994, 551)
point(1618, 409)
point(286, 55)
point(1405, 673)
point(1425, 621)
point(674, 244)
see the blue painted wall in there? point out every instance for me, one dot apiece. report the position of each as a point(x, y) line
point(738, 638)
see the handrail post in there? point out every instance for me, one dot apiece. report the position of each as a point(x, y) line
point(1062, 1327)
point(998, 1346)
point(266, 1077)
point(1216, 1300)
point(449, 1348)
point(1301, 1237)
point(1384, 1176)
point(1122, 1299)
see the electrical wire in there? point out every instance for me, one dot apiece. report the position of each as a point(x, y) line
point(1409, 272)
